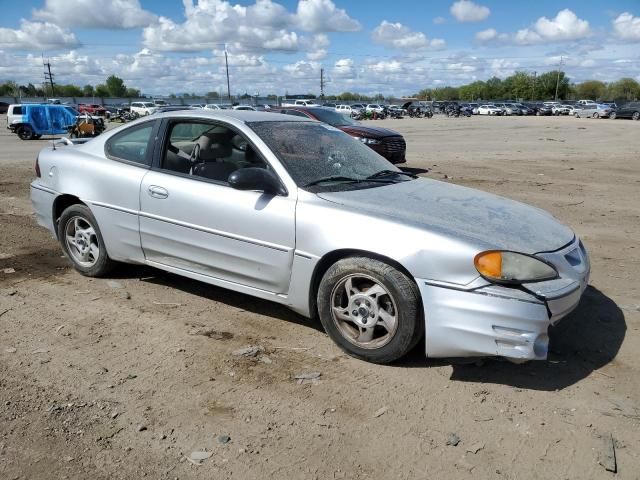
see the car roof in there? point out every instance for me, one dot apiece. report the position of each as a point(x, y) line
point(242, 115)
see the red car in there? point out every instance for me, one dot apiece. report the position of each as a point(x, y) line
point(92, 109)
point(388, 143)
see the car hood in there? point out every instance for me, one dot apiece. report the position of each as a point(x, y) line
point(369, 132)
point(496, 222)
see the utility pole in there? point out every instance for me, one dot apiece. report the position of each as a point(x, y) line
point(48, 75)
point(322, 83)
point(558, 78)
point(226, 62)
point(533, 85)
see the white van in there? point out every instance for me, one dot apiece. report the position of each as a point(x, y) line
point(143, 108)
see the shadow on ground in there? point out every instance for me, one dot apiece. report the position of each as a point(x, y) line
point(583, 342)
point(216, 294)
point(414, 171)
point(586, 340)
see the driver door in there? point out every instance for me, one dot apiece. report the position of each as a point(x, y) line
point(191, 219)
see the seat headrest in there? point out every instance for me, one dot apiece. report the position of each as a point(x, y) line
point(213, 146)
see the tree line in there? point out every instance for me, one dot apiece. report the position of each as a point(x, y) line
point(112, 87)
point(528, 86)
point(520, 85)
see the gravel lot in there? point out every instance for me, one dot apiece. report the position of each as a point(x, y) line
point(125, 377)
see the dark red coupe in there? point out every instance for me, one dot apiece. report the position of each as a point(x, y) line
point(388, 143)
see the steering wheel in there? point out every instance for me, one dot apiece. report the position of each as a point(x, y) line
point(193, 158)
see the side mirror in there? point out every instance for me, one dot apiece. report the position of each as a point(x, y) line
point(258, 179)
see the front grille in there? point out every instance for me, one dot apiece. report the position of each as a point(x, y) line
point(393, 145)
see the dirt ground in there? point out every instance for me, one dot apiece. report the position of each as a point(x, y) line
point(124, 378)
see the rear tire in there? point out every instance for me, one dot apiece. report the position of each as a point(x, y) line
point(596, 115)
point(612, 115)
point(82, 242)
point(25, 132)
point(370, 310)
point(636, 116)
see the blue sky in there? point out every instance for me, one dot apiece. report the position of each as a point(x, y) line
point(385, 47)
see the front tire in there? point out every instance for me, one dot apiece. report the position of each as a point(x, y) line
point(370, 309)
point(82, 242)
point(612, 115)
point(636, 116)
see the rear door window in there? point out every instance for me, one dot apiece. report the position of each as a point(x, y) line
point(17, 110)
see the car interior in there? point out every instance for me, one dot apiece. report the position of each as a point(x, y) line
point(208, 151)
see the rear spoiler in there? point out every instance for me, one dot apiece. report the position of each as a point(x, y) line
point(69, 142)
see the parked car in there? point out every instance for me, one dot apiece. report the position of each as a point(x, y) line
point(388, 143)
point(160, 103)
point(142, 108)
point(91, 109)
point(299, 103)
point(212, 106)
point(628, 110)
point(300, 213)
point(330, 105)
point(374, 107)
point(348, 110)
point(474, 108)
point(244, 107)
point(513, 109)
point(32, 120)
point(594, 111)
point(561, 109)
point(197, 105)
point(543, 110)
point(489, 109)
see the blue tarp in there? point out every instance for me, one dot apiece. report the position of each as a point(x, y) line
point(49, 119)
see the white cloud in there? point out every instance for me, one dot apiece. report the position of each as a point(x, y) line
point(36, 36)
point(393, 66)
point(467, 11)
point(344, 68)
point(437, 43)
point(317, 46)
point(323, 16)
point(566, 26)
point(112, 14)
point(627, 27)
point(489, 35)
point(262, 26)
point(212, 23)
point(439, 20)
point(397, 35)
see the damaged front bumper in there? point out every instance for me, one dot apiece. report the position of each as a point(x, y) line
point(494, 320)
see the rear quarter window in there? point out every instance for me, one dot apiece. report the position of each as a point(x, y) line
point(17, 110)
point(131, 145)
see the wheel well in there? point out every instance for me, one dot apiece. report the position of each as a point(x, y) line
point(60, 204)
point(332, 257)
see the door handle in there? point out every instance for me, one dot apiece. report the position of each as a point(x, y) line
point(158, 192)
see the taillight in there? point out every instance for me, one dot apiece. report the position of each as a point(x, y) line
point(38, 167)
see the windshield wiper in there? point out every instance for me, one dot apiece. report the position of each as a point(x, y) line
point(340, 178)
point(388, 173)
point(337, 178)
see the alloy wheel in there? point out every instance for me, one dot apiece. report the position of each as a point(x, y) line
point(82, 241)
point(364, 311)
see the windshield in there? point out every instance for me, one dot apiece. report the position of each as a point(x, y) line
point(333, 118)
point(312, 151)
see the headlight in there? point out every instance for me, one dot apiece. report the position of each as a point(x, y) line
point(512, 268)
point(369, 141)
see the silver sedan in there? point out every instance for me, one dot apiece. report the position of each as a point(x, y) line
point(298, 212)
